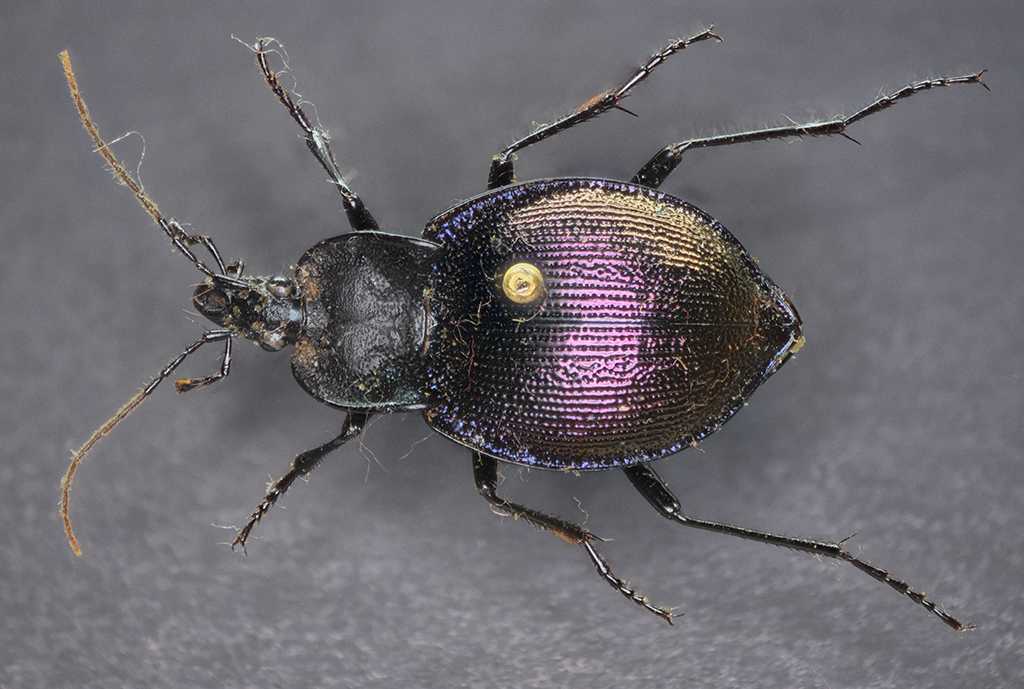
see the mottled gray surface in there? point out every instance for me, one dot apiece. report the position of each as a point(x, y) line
point(901, 419)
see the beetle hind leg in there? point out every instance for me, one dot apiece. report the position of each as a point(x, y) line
point(666, 160)
point(653, 488)
point(485, 475)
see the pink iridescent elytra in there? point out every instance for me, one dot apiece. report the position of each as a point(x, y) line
point(655, 327)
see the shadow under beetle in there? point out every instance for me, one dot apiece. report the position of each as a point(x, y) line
point(574, 324)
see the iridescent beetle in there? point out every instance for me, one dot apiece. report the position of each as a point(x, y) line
point(574, 324)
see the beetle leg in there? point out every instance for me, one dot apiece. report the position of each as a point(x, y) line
point(653, 488)
point(485, 475)
point(317, 140)
point(354, 424)
point(661, 165)
point(502, 172)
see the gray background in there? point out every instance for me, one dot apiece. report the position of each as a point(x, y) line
point(901, 419)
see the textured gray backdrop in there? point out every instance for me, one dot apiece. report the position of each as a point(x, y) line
point(901, 419)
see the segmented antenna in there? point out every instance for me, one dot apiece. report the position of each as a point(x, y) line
point(182, 241)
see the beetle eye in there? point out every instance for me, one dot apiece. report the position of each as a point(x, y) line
point(209, 300)
point(523, 283)
point(279, 286)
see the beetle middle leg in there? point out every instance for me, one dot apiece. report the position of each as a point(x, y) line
point(502, 172)
point(653, 488)
point(354, 424)
point(485, 475)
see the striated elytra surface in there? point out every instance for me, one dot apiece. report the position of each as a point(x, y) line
point(654, 327)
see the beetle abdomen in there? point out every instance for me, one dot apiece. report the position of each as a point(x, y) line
point(651, 327)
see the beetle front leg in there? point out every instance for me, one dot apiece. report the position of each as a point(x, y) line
point(355, 422)
point(485, 475)
point(653, 488)
point(317, 140)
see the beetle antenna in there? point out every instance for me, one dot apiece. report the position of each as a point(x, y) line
point(173, 229)
point(76, 459)
point(123, 412)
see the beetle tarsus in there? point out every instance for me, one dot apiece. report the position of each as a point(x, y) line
point(903, 587)
point(622, 587)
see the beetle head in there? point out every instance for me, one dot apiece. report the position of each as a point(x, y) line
point(266, 310)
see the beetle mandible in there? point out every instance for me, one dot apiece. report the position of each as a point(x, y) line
point(574, 324)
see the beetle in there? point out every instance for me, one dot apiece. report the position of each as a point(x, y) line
point(574, 324)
